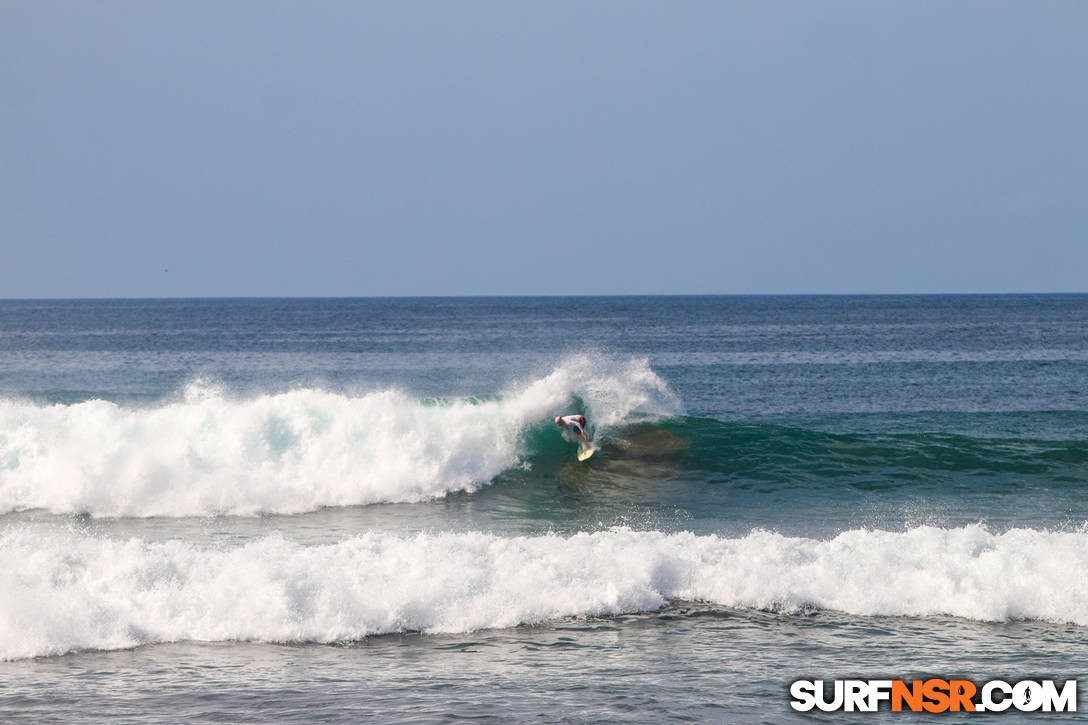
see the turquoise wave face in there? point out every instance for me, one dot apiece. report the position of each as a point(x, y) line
point(716, 452)
point(701, 473)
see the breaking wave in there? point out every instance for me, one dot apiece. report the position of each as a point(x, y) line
point(296, 451)
point(62, 590)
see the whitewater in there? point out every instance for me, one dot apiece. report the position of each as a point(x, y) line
point(63, 591)
point(210, 453)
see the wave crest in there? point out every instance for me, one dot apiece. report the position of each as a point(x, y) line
point(294, 451)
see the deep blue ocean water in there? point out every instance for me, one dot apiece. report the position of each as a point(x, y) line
point(345, 510)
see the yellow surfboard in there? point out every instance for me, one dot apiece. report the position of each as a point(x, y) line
point(585, 453)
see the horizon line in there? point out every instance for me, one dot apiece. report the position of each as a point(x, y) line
point(540, 296)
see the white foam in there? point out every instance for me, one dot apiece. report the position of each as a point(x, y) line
point(62, 591)
point(294, 451)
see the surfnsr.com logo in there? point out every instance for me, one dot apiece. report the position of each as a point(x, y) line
point(934, 695)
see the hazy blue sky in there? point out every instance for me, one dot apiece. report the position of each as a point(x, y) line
point(406, 148)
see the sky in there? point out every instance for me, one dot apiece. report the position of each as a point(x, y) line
point(366, 148)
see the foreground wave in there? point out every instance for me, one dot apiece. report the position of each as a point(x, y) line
point(62, 591)
point(295, 451)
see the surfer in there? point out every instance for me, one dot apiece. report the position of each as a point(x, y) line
point(576, 424)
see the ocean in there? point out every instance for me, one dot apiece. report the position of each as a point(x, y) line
point(360, 510)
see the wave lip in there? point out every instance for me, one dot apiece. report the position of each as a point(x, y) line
point(296, 451)
point(62, 591)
